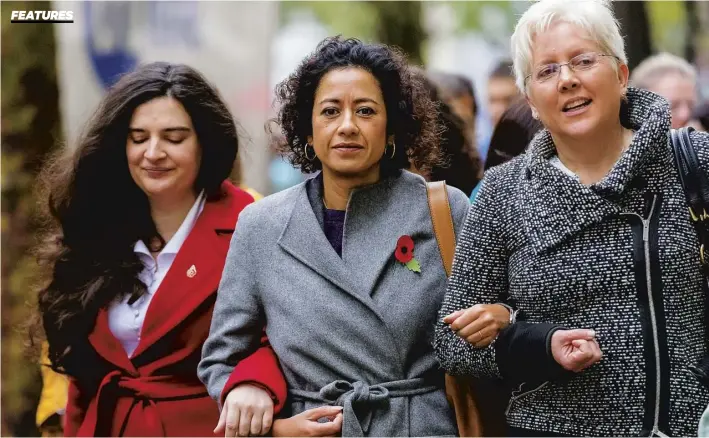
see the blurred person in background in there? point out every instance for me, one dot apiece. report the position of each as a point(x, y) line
point(345, 271)
point(52, 399)
point(511, 137)
point(589, 237)
point(238, 178)
point(501, 90)
point(700, 118)
point(459, 96)
point(139, 215)
point(672, 78)
point(461, 168)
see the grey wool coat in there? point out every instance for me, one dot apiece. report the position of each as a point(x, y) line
point(355, 331)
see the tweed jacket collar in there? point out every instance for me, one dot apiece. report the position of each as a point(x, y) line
point(569, 206)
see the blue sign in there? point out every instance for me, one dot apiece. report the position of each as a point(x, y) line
point(108, 27)
point(106, 39)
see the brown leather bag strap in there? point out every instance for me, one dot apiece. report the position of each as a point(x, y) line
point(458, 389)
point(442, 222)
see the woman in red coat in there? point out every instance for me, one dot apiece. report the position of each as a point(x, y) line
point(142, 216)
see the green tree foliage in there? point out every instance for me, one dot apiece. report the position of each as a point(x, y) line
point(469, 13)
point(30, 127)
point(358, 19)
point(399, 25)
point(396, 23)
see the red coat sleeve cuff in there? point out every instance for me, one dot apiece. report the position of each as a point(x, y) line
point(263, 370)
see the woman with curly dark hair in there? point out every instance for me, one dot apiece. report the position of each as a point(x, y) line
point(344, 270)
point(463, 167)
point(514, 131)
point(140, 214)
point(511, 136)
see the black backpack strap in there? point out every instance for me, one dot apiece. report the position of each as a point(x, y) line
point(693, 179)
point(696, 189)
point(694, 182)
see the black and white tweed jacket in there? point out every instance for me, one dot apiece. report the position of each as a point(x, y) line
point(620, 256)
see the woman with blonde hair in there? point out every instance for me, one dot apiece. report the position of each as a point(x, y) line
point(589, 237)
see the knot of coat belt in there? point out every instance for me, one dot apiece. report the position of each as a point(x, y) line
point(358, 400)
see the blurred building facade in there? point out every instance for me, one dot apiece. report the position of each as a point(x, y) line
point(229, 42)
point(246, 48)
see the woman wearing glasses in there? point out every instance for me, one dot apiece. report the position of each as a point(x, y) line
point(588, 235)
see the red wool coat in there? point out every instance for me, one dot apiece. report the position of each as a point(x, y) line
point(157, 392)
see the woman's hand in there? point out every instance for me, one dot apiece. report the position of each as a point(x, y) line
point(248, 410)
point(480, 324)
point(575, 350)
point(306, 423)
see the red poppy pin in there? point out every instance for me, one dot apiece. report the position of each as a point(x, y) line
point(405, 253)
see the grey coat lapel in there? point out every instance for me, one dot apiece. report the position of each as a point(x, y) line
point(376, 236)
point(304, 239)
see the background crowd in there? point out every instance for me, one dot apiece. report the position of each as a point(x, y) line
point(487, 122)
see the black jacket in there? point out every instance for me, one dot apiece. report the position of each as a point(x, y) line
point(620, 257)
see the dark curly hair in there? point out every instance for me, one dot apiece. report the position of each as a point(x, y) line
point(462, 171)
point(411, 115)
point(512, 134)
point(94, 212)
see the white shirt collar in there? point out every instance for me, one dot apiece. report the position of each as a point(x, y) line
point(556, 162)
point(174, 245)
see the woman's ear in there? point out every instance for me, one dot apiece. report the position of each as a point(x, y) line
point(623, 75)
point(535, 113)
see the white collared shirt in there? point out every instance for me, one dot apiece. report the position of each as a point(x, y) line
point(126, 320)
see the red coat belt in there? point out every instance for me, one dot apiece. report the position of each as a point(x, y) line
point(144, 391)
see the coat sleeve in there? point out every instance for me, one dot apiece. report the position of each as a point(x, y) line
point(75, 409)
point(238, 320)
point(260, 369)
point(479, 275)
point(521, 352)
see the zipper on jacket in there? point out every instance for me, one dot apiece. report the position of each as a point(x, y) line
point(519, 394)
point(653, 315)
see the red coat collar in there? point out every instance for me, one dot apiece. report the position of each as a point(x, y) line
point(180, 294)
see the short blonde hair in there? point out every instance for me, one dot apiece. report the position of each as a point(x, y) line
point(593, 16)
point(656, 66)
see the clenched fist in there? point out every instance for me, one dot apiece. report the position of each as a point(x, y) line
point(575, 350)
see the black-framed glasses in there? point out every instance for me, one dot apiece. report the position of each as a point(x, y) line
point(584, 61)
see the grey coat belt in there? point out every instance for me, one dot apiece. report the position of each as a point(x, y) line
point(359, 399)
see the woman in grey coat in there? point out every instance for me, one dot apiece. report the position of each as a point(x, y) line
point(326, 266)
point(589, 236)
